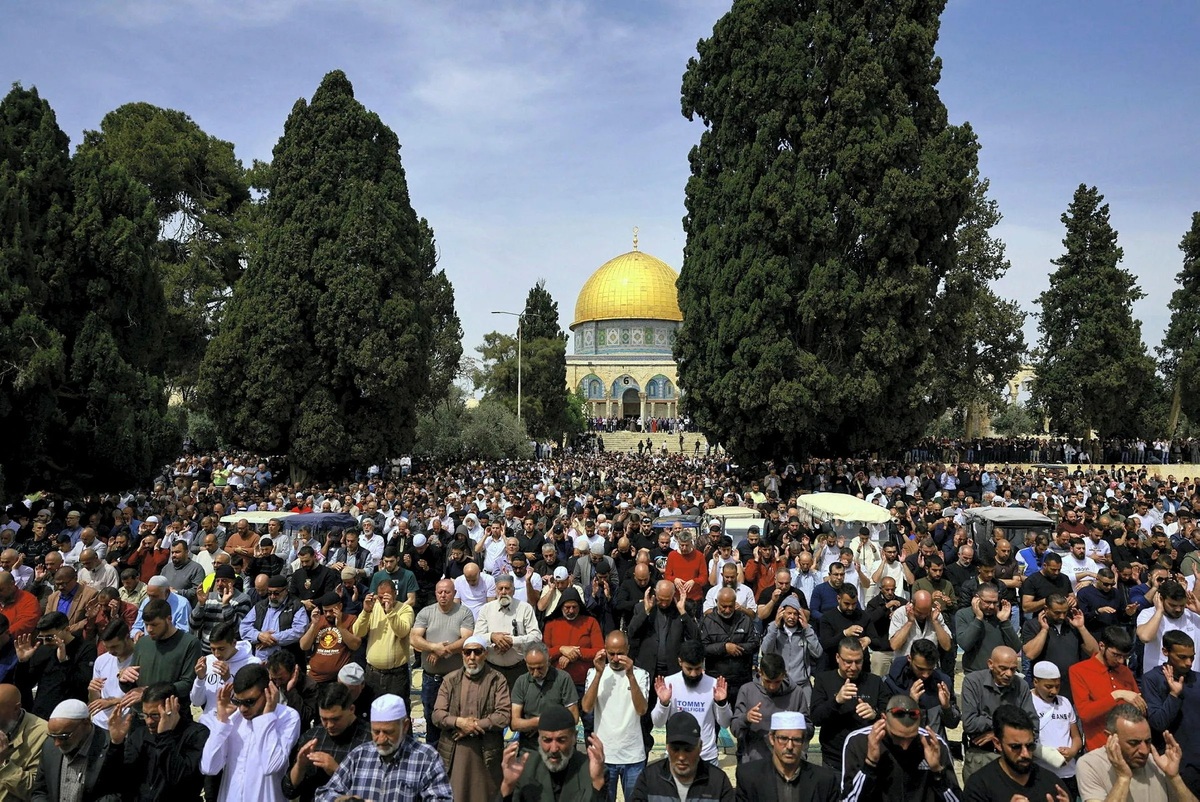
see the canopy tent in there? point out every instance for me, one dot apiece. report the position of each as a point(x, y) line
point(732, 512)
point(256, 517)
point(320, 521)
point(1009, 516)
point(981, 522)
point(844, 507)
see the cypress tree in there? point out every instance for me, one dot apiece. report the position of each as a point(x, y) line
point(324, 350)
point(822, 207)
point(1180, 349)
point(1093, 371)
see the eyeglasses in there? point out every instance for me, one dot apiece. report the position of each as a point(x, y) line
point(59, 736)
point(472, 651)
point(905, 713)
point(245, 702)
point(789, 740)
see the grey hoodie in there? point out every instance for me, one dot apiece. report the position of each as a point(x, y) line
point(753, 737)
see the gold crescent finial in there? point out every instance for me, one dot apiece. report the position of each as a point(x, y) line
point(635, 238)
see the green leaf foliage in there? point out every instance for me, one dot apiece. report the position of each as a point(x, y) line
point(324, 350)
point(823, 206)
point(488, 431)
point(201, 198)
point(81, 306)
point(1180, 349)
point(541, 316)
point(1093, 371)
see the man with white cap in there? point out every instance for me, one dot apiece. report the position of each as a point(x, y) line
point(72, 758)
point(558, 767)
point(394, 767)
point(786, 776)
point(490, 550)
point(897, 760)
point(427, 565)
point(159, 588)
point(1060, 738)
point(472, 709)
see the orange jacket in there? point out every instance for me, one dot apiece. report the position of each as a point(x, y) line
point(583, 632)
point(22, 614)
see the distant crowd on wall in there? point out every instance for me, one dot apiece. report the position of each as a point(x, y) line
point(1137, 451)
point(639, 424)
point(555, 613)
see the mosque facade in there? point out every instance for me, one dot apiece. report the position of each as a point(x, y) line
point(626, 319)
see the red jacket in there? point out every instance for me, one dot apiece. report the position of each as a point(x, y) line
point(149, 563)
point(583, 632)
point(22, 614)
point(692, 567)
point(1092, 686)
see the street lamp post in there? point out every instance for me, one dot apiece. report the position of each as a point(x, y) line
point(520, 316)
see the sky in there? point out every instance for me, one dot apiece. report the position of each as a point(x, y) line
point(537, 133)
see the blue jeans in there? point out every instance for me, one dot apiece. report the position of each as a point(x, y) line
point(430, 683)
point(628, 772)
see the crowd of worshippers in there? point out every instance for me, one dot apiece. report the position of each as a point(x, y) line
point(553, 627)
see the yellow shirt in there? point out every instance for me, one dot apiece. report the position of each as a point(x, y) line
point(17, 773)
point(387, 635)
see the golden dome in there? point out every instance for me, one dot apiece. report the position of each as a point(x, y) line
point(633, 286)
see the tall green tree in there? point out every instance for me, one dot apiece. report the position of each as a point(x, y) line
point(822, 208)
point(35, 208)
point(1093, 371)
point(324, 350)
point(445, 361)
point(1179, 353)
point(545, 399)
point(83, 398)
point(201, 197)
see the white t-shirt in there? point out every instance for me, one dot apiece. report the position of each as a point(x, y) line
point(699, 702)
point(745, 597)
point(521, 585)
point(618, 726)
point(474, 598)
point(1095, 551)
point(1152, 656)
point(108, 667)
point(1072, 567)
point(1054, 722)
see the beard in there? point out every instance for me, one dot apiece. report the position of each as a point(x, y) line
point(557, 762)
point(473, 672)
point(387, 750)
point(505, 601)
point(691, 681)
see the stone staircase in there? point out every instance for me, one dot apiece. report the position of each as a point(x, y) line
point(627, 441)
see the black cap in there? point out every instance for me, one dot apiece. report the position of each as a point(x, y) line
point(224, 572)
point(277, 582)
point(682, 728)
point(556, 718)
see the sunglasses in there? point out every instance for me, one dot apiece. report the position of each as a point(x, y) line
point(472, 651)
point(245, 702)
point(905, 714)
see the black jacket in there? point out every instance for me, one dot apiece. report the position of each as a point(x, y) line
point(95, 788)
point(715, 632)
point(643, 640)
point(756, 782)
point(656, 784)
point(831, 629)
point(167, 767)
point(899, 777)
point(839, 719)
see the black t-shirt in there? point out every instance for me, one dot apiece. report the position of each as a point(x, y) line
point(764, 599)
point(1039, 586)
point(992, 784)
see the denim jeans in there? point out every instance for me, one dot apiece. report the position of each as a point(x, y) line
point(628, 772)
point(430, 683)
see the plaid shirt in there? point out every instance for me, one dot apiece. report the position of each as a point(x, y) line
point(414, 773)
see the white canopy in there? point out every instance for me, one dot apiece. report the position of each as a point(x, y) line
point(255, 517)
point(844, 507)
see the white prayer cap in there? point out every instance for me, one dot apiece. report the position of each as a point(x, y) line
point(582, 544)
point(388, 707)
point(159, 581)
point(420, 540)
point(71, 709)
point(560, 573)
point(1046, 670)
point(476, 640)
point(788, 721)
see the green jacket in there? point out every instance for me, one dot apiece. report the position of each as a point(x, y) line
point(535, 782)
